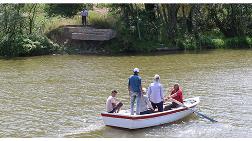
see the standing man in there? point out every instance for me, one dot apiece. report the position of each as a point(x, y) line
point(156, 94)
point(135, 91)
point(84, 14)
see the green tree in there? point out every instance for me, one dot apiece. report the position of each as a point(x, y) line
point(232, 19)
point(32, 12)
point(65, 10)
point(17, 33)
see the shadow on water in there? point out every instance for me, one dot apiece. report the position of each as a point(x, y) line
point(117, 132)
point(155, 53)
point(26, 58)
point(161, 53)
point(13, 58)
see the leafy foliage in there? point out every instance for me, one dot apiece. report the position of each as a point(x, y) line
point(65, 10)
point(239, 42)
point(18, 35)
point(188, 26)
point(27, 45)
point(140, 27)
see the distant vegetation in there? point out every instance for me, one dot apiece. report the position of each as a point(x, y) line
point(186, 26)
point(140, 27)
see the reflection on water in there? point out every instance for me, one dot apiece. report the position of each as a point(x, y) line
point(62, 96)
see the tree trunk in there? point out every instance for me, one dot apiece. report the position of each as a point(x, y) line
point(150, 10)
point(172, 20)
point(195, 19)
point(137, 18)
point(164, 13)
point(31, 17)
point(189, 21)
point(184, 19)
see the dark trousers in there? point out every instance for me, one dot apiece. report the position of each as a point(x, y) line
point(84, 20)
point(173, 105)
point(158, 105)
point(117, 107)
point(149, 111)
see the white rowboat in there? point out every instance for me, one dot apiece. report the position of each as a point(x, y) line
point(123, 119)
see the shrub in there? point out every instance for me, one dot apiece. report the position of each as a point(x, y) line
point(144, 46)
point(249, 41)
point(239, 42)
point(115, 46)
point(218, 43)
point(27, 45)
point(206, 42)
point(43, 45)
point(128, 45)
point(187, 42)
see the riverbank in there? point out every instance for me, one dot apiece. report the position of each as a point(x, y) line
point(117, 45)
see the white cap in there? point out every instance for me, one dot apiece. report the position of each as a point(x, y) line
point(136, 70)
point(156, 76)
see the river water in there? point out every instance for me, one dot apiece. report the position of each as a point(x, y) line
point(63, 95)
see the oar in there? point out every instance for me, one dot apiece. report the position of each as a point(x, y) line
point(198, 113)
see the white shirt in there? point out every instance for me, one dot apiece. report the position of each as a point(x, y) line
point(84, 13)
point(144, 103)
point(109, 106)
point(155, 92)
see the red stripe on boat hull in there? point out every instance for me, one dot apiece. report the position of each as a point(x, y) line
point(145, 116)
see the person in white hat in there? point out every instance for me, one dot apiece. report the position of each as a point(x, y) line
point(156, 93)
point(135, 91)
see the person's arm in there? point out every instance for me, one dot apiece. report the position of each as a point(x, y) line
point(173, 95)
point(162, 92)
point(141, 88)
point(113, 102)
point(116, 100)
point(149, 92)
point(129, 86)
point(149, 103)
point(169, 95)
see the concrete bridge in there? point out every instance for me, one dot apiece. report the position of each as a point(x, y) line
point(88, 33)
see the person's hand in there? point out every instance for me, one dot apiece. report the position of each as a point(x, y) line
point(171, 89)
point(165, 99)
